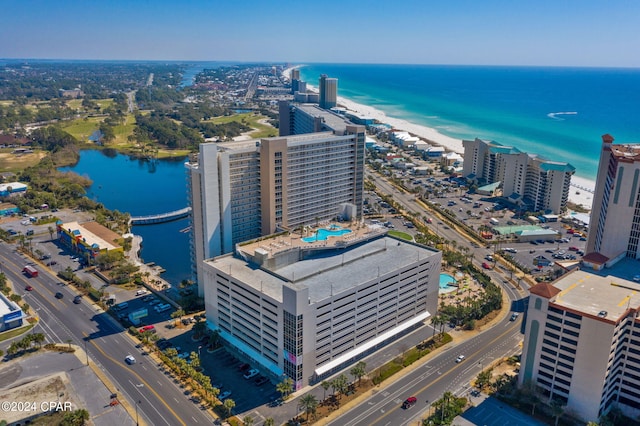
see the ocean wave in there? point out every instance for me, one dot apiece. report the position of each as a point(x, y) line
point(555, 115)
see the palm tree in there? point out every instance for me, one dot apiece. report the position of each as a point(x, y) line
point(358, 370)
point(557, 409)
point(248, 421)
point(269, 421)
point(285, 387)
point(228, 405)
point(340, 384)
point(325, 385)
point(50, 229)
point(309, 404)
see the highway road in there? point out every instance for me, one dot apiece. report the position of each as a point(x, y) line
point(159, 400)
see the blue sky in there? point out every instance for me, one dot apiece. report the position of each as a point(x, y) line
point(475, 32)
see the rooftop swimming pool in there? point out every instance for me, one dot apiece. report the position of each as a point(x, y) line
point(447, 283)
point(323, 234)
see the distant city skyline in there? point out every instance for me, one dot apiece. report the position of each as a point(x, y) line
point(492, 32)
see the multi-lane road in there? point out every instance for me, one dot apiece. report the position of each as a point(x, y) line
point(159, 401)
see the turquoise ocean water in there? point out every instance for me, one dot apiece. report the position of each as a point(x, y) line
point(558, 113)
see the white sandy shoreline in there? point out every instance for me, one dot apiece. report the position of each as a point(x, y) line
point(581, 191)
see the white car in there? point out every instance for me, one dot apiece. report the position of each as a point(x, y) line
point(460, 358)
point(251, 373)
point(183, 355)
point(636, 278)
point(224, 395)
point(129, 359)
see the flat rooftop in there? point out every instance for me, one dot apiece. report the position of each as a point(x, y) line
point(589, 293)
point(332, 120)
point(93, 233)
point(626, 151)
point(329, 270)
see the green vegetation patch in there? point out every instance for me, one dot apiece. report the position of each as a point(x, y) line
point(81, 129)
point(400, 234)
point(252, 120)
point(15, 332)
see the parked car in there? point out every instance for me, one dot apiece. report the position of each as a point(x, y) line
point(150, 328)
point(244, 367)
point(183, 355)
point(261, 380)
point(224, 395)
point(251, 373)
point(409, 402)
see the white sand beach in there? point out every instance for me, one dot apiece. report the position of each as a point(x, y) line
point(582, 189)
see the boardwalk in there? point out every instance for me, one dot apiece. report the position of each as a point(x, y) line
point(162, 217)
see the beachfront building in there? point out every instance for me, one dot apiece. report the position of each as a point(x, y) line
point(300, 118)
point(309, 312)
point(615, 219)
point(530, 181)
point(582, 343)
point(328, 90)
point(246, 189)
point(88, 239)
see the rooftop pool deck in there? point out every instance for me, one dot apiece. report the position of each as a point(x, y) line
point(351, 233)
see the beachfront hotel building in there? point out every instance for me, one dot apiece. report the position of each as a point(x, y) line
point(246, 189)
point(527, 180)
point(582, 343)
point(308, 311)
point(615, 218)
point(328, 88)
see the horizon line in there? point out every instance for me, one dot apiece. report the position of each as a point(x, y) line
point(303, 63)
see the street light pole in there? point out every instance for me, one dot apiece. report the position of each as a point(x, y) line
point(85, 351)
point(199, 347)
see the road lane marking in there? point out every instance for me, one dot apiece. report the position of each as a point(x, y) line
point(131, 371)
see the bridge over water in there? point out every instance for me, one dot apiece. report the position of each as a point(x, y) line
point(162, 217)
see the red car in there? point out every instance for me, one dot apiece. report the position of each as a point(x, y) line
point(28, 288)
point(150, 328)
point(409, 402)
point(485, 265)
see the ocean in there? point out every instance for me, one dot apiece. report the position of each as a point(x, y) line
point(557, 113)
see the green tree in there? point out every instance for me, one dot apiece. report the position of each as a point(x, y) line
point(358, 371)
point(341, 384)
point(247, 421)
point(285, 387)
point(557, 409)
point(228, 405)
point(484, 378)
point(269, 421)
point(325, 385)
point(309, 404)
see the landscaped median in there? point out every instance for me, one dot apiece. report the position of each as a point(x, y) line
point(347, 395)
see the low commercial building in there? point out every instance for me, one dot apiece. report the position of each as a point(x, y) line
point(308, 310)
point(10, 314)
point(88, 239)
point(12, 189)
point(582, 342)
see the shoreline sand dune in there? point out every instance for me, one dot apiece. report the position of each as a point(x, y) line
point(582, 189)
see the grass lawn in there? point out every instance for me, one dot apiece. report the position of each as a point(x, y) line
point(15, 332)
point(15, 163)
point(74, 104)
point(261, 130)
point(400, 234)
point(123, 131)
point(82, 128)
